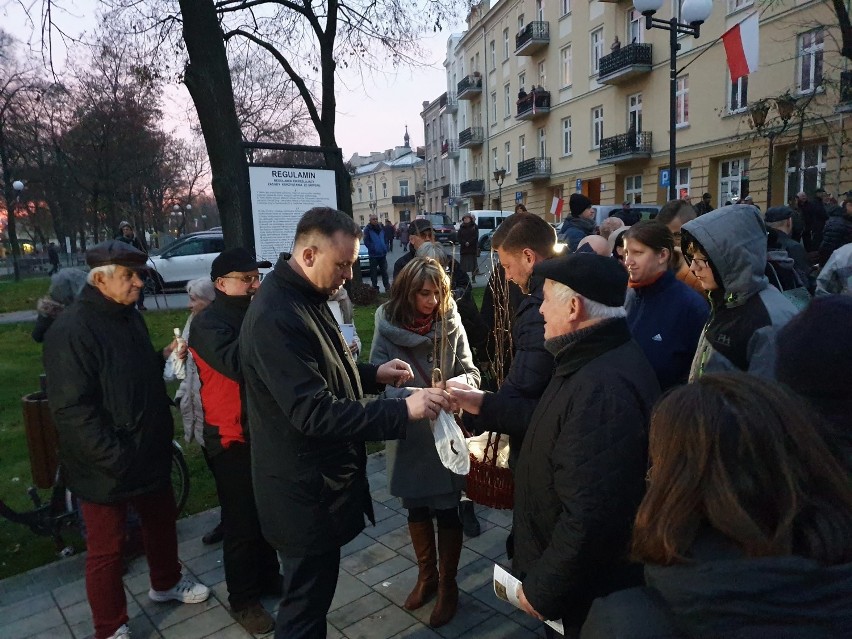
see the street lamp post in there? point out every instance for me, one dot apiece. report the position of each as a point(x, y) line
point(499, 176)
point(13, 232)
point(694, 13)
point(785, 105)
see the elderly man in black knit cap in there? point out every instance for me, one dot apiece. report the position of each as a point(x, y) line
point(581, 222)
point(581, 472)
point(108, 399)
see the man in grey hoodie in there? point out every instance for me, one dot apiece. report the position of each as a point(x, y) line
point(726, 250)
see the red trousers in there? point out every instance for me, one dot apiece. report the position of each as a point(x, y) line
point(105, 525)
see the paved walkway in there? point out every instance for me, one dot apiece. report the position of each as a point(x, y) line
point(377, 572)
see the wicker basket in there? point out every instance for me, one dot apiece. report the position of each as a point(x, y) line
point(489, 484)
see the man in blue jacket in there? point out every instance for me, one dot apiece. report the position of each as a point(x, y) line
point(374, 240)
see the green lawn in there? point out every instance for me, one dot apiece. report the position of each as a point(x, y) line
point(20, 367)
point(22, 295)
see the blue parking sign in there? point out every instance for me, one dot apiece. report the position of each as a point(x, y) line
point(665, 177)
point(579, 185)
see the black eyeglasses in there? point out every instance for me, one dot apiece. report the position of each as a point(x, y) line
point(702, 262)
point(245, 279)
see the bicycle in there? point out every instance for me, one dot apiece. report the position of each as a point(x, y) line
point(60, 512)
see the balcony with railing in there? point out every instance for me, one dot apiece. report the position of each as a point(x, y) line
point(402, 199)
point(449, 103)
point(625, 63)
point(626, 147)
point(471, 137)
point(533, 105)
point(845, 104)
point(532, 38)
point(472, 188)
point(534, 169)
point(449, 149)
point(470, 86)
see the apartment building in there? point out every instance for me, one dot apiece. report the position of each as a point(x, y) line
point(388, 184)
point(574, 96)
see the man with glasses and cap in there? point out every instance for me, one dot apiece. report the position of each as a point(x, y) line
point(109, 402)
point(420, 232)
point(251, 565)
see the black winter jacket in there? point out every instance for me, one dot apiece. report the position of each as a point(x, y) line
point(308, 418)
point(403, 261)
point(510, 409)
point(581, 474)
point(723, 594)
point(106, 392)
point(837, 232)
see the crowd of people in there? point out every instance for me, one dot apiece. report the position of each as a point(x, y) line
point(679, 426)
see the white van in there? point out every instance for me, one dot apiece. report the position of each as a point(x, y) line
point(487, 221)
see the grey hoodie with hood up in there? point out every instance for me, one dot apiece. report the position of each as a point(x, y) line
point(747, 311)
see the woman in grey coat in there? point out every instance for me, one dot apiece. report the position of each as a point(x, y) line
point(420, 325)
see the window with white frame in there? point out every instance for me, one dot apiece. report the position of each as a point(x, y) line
point(520, 22)
point(506, 50)
point(522, 80)
point(507, 97)
point(508, 150)
point(811, 48)
point(677, 7)
point(370, 192)
point(737, 94)
point(736, 5)
point(566, 136)
point(565, 57)
point(682, 101)
point(539, 10)
point(635, 27)
point(494, 158)
point(542, 142)
point(522, 147)
point(597, 126)
point(403, 187)
point(542, 74)
point(384, 189)
point(565, 7)
point(360, 194)
point(733, 179)
point(493, 108)
point(806, 169)
point(492, 54)
point(597, 49)
point(633, 189)
point(682, 174)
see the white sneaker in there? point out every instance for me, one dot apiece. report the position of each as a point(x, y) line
point(186, 591)
point(122, 633)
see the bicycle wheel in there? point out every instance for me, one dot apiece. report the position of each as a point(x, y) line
point(180, 477)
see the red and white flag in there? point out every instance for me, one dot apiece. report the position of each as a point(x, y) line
point(742, 47)
point(556, 207)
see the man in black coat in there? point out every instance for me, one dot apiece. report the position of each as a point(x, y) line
point(106, 393)
point(251, 566)
point(309, 417)
point(420, 231)
point(126, 235)
point(581, 472)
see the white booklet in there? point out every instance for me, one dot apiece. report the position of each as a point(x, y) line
point(348, 331)
point(506, 588)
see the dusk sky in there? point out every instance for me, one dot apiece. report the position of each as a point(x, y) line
point(372, 111)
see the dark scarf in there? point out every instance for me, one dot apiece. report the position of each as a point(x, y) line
point(558, 345)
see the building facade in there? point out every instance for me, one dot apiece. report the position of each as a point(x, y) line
point(573, 96)
point(393, 187)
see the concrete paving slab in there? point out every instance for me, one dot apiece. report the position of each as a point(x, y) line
point(382, 624)
point(358, 610)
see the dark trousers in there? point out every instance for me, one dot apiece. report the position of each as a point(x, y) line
point(105, 524)
point(306, 594)
point(379, 264)
point(251, 565)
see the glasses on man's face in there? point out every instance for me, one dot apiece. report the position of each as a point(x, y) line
point(429, 235)
point(245, 279)
point(701, 262)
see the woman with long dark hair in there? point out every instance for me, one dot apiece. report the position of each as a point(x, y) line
point(665, 315)
point(419, 324)
point(746, 526)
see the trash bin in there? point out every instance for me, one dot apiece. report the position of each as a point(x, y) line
point(42, 441)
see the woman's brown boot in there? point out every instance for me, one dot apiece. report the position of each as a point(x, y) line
point(423, 540)
point(449, 549)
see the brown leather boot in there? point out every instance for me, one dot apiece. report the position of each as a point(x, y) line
point(449, 549)
point(423, 540)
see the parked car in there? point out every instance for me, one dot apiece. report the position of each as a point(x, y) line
point(648, 211)
point(188, 258)
point(488, 221)
point(445, 232)
point(364, 260)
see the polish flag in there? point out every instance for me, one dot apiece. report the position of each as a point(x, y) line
point(741, 46)
point(556, 207)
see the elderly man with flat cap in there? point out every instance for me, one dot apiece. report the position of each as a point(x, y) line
point(581, 472)
point(420, 231)
point(108, 399)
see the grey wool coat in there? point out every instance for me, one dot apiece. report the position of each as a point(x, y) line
point(414, 469)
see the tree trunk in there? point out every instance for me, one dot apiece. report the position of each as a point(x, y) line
point(845, 28)
point(208, 79)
